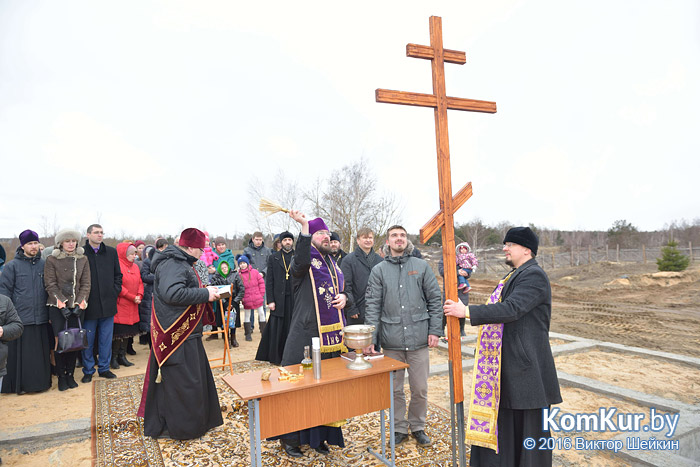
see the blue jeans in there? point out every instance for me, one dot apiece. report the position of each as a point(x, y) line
point(100, 329)
point(463, 280)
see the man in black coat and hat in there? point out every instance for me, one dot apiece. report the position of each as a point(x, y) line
point(278, 288)
point(519, 314)
point(179, 396)
point(337, 252)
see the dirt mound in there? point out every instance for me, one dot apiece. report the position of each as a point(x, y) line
point(661, 279)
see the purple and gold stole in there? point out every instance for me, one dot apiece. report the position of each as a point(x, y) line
point(166, 341)
point(482, 423)
point(326, 284)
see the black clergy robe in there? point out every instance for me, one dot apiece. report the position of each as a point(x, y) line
point(304, 326)
point(185, 404)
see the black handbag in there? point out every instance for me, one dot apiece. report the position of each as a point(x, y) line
point(72, 339)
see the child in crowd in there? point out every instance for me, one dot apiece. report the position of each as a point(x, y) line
point(466, 263)
point(254, 297)
point(211, 269)
point(224, 275)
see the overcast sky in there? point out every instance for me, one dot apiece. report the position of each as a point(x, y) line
point(154, 116)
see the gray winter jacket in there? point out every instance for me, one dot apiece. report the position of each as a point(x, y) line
point(258, 256)
point(11, 329)
point(403, 302)
point(22, 281)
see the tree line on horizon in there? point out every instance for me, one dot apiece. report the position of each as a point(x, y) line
point(623, 233)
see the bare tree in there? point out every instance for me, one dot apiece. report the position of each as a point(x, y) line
point(281, 190)
point(348, 200)
point(49, 227)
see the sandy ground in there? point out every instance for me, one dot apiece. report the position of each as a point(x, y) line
point(661, 313)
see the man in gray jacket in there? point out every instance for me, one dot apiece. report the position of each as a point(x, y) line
point(403, 303)
point(22, 281)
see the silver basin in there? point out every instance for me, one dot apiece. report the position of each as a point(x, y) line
point(358, 336)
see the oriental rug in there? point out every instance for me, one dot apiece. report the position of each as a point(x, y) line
point(118, 439)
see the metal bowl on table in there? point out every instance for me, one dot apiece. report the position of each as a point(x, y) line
point(358, 336)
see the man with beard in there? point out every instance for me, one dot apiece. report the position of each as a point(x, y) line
point(318, 312)
point(403, 304)
point(516, 320)
point(337, 252)
point(179, 396)
point(356, 268)
point(278, 287)
point(29, 364)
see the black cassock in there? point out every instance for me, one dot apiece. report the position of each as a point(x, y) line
point(185, 404)
point(279, 290)
point(304, 326)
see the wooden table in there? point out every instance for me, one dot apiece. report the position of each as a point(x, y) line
point(278, 407)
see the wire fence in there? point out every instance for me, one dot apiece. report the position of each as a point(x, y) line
point(494, 261)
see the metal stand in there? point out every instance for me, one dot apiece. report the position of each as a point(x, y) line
point(382, 457)
point(457, 427)
point(254, 433)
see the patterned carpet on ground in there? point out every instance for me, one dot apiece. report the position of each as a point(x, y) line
point(118, 439)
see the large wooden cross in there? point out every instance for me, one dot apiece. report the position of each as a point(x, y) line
point(448, 204)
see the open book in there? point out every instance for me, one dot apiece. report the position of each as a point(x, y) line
point(351, 356)
point(224, 290)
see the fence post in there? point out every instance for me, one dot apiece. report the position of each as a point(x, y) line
point(690, 250)
point(607, 257)
point(644, 253)
point(554, 264)
point(572, 255)
point(618, 252)
point(589, 254)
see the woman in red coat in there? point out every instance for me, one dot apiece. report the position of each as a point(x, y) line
point(126, 321)
point(254, 296)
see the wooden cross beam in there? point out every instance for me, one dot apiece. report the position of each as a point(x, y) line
point(448, 204)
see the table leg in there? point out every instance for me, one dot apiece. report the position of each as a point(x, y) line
point(258, 447)
point(382, 456)
point(251, 433)
point(391, 418)
point(381, 419)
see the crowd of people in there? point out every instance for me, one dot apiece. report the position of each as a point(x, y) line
point(164, 295)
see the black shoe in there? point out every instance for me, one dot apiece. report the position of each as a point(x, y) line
point(114, 364)
point(108, 374)
point(323, 449)
point(399, 438)
point(62, 383)
point(421, 438)
point(86, 379)
point(212, 337)
point(292, 451)
point(130, 349)
point(71, 382)
point(123, 361)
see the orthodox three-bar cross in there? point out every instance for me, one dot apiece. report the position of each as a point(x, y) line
point(443, 219)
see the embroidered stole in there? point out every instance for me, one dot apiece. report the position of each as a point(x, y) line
point(482, 423)
point(326, 284)
point(166, 341)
